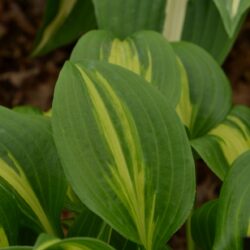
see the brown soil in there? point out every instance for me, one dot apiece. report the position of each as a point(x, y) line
point(26, 80)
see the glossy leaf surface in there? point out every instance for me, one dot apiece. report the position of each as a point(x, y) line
point(208, 89)
point(124, 151)
point(226, 142)
point(233, 217)
point(231, 12)
point(29, 166)
point(146, 53)
point(204, 224)
point(204, 27)
point(123, 18)
point(64, 21)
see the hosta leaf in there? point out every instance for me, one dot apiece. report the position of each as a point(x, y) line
point(226, 142)
point(9, 216)
point(231, 12)
point(46, 242)
point(204, 27)
point(203, 225)
point(28, 110)
point(29, 166)
point(146, 53)
point(64, 21)
point(208, 89)
point(124, 151)
point(124, 18)
point(233, 218)
point(88, 224)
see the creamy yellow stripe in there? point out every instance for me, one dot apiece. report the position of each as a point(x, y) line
point(175, 17)
point(3, 238)
point(184, 107)
point(233, 141)
point(132, 139)
point(65, 8)
point(125, 54)
point(47, 244)
point(20, 183)
point(132, 188)
point(234, 8)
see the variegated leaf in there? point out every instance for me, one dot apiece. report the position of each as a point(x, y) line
point(146, 53)
point(88, 224)
point(204, 27)
point(124, 151)
point(124, 18)
point(231, 12)
point(226, 142)
point(205, 88)
point(30, 168)
point(64, 21)
point(233, 214)
point(48, 242)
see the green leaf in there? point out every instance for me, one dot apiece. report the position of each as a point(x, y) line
point(226, 142)
point(88, 224)
point(204, 27)
point(123, 18)
point(28, 110)
point(17, 248)
point(208, 89)
point(231, 12)
point(46, 242)
point(64, 21)
point(233, 218)
point(30, 167)
point(124, 151)
point(9, 218)
point(146, 53)
point(203, 225)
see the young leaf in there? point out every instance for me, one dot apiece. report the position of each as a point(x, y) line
point(233, 218)
point(231, 12)
point(208, 89)
point(204, 27)
point(64, 21)
point(30, 167)
point(203, 225)
point(124, 151)
point(226, 142)
point(146, 53)
point(9, 216)
point(129, 16)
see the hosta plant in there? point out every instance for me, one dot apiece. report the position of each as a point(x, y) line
point(111, 166)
